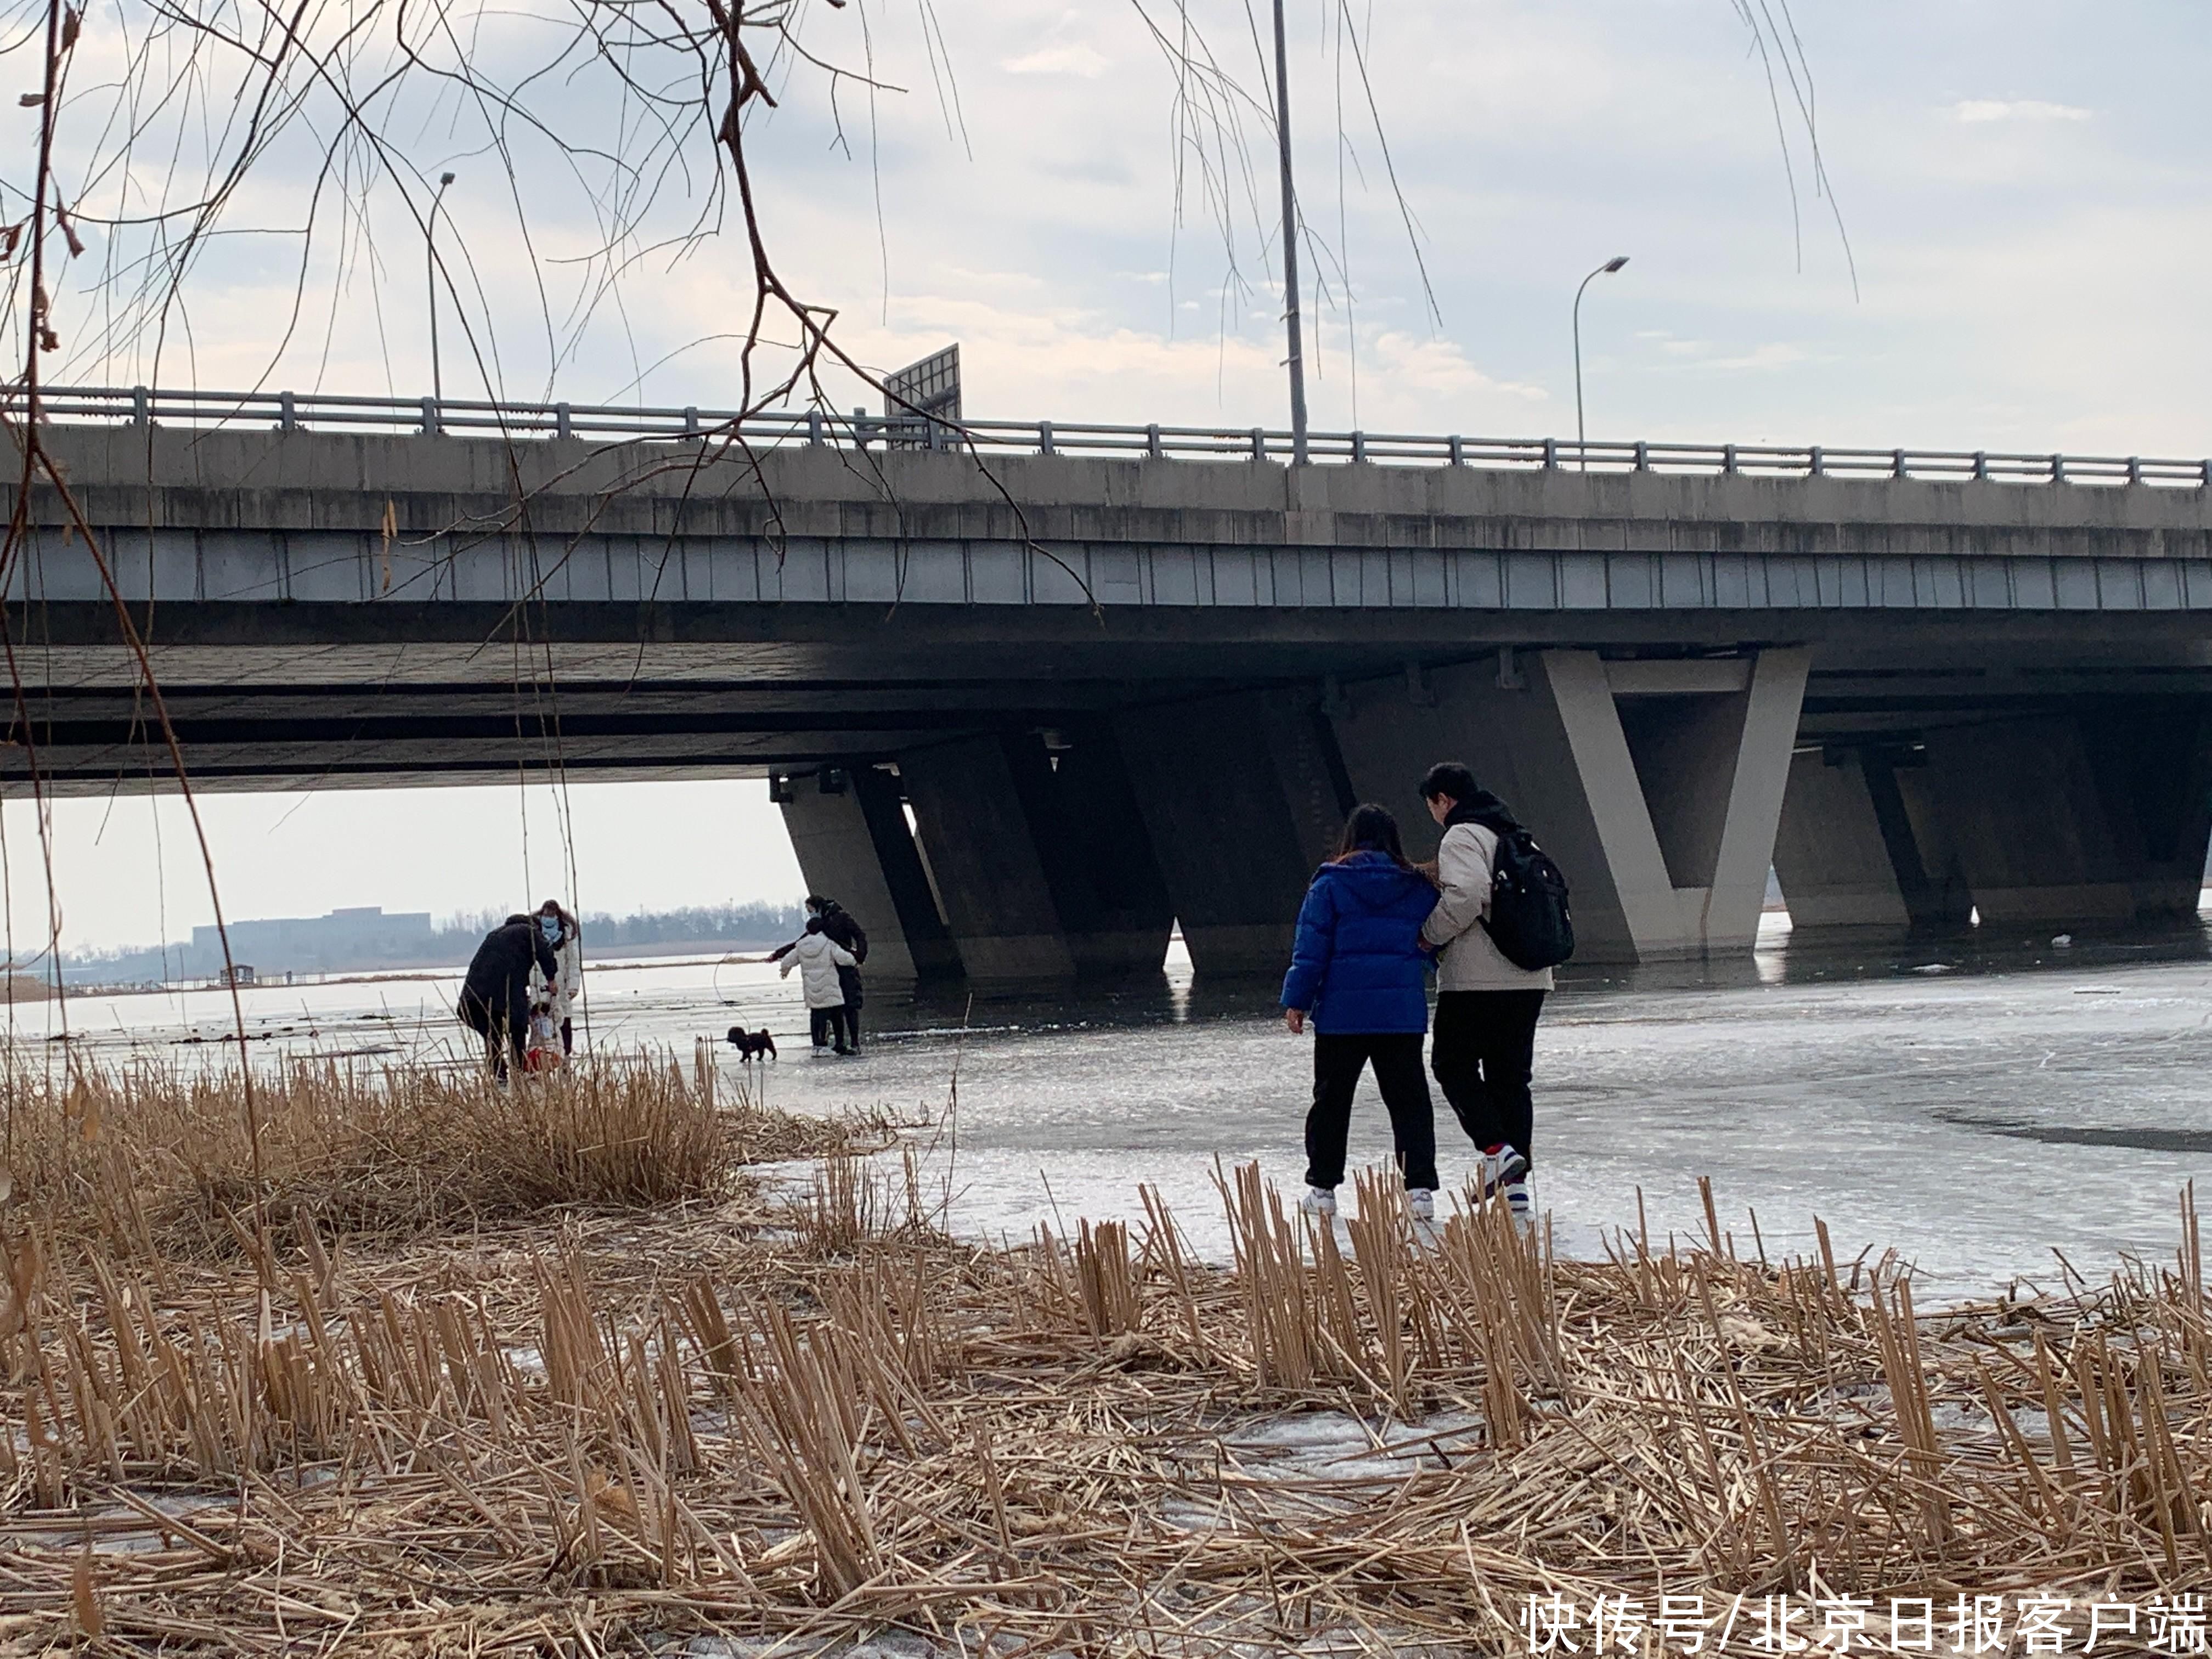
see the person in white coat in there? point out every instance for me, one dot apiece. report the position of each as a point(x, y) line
point(1486, 1007)
point(818, 958)
point(565, 935)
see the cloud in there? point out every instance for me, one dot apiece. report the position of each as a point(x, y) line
point(1081, 58)
point(1974, 111)
point(1775, 355)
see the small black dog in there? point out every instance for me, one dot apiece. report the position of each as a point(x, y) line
point(751, 1045)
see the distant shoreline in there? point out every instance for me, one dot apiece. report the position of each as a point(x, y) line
point(696, 954)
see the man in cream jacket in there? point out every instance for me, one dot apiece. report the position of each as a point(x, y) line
point(1487, 1008)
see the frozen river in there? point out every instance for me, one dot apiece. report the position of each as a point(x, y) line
point(1976, 1107)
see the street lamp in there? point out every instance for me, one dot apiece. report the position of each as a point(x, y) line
point(430, 259)
point(1582, 453)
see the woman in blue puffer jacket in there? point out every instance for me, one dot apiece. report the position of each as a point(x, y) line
point(1358, 971)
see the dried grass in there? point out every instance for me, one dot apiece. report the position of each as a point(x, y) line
point(821, 1418)
point(161, 1159)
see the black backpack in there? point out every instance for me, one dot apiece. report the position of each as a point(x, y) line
point(1529, 921)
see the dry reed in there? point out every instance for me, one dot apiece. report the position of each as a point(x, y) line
point(157, 1160)
point(824, 1419)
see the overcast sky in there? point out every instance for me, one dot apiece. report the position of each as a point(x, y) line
point(2022, 183)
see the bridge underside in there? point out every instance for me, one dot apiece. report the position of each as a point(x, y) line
point(1009, 772)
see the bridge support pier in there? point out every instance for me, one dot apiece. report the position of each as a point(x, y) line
point(1039, 854)
point(1656, 785)
point(2097, 816)
point(1861, 843)
point(1243, 794)
point(853, 846)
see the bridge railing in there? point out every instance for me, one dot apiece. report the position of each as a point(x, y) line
point(775, 429)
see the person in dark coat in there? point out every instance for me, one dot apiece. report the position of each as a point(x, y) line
point(496, 994)
point(1358, 972)
point(844, 931)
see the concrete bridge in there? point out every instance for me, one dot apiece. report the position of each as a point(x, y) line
point(1020, 719)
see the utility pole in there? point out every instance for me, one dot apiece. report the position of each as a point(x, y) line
point(1290, 245)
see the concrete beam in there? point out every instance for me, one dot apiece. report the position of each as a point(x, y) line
point(1667, 849)
point(1039, 856)
point(1092, 845)
point(2097, 815)
point(1861, 843)
point(852, 845)
point(2035, 844)
point(1243, 795)
point(983, 862)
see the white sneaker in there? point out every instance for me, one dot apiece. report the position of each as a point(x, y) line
point(1521, 1203)
point(821, 1051)
point(1319, 1201)
point(1421, 1204)
point(1499, 1168)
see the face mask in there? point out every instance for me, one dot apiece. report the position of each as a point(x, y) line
point(550, 926)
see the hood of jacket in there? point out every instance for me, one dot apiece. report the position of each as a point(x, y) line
point(1371, 881)
point(1485, 809)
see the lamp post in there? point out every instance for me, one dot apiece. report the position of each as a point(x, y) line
point(431, 261)
point(1582, 453)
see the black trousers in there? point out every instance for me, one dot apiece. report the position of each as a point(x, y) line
point(1486, 1044)
point(848, 981)
point(830, 1027)
point(505, 1027)
point(1339, 1059)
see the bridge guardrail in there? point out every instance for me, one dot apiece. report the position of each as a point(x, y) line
point(452, 417)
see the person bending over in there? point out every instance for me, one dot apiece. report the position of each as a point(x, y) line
point(1486, 1007)
point(496, 993)
point(1358, 971)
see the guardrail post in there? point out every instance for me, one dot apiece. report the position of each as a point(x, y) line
point(2058, 469)
point(2205, 474)
point(690, 419)
point(1044, 439)
point(1458, 450)
point(1360, 446)
point(141, 402)
point(287, 418)
point(1727, 459)
point(1897, 463)
point(1259, 443)
point(1643, 456)
point(430, 426)
point(1816, 462)
point(1152, 441)
point(1981, 463)
point(814, 428)
point(1551, 454)
point(563, 425)
point(859, 428)
point(2135, 469)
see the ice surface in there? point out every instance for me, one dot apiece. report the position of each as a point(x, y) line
point(1976, 1121)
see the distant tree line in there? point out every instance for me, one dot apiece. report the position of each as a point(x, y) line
point(453, 941)
point(756, 923)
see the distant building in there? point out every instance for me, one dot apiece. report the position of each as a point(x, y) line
point(362, 936)
point(240, 973)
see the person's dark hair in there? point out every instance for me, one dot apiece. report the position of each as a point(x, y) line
point(1450, 780)
point(1372, 829)
point(814, 924)
point(517, 916)
point(815, 901)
